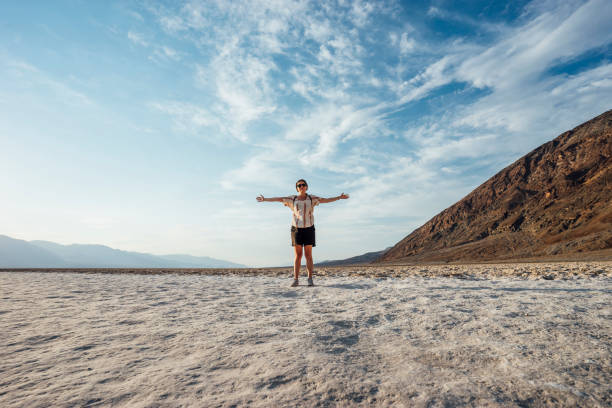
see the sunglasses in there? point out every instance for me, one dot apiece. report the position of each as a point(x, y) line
point(301, 185)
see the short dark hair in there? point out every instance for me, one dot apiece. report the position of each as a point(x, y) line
point(298, 182)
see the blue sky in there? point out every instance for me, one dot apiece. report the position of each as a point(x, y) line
point(152, 126)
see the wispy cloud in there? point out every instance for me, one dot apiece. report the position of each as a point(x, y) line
point(510, 69)
point(529, 50)
point(163, 52)
point(159, 52)
point(191, 118)
point(463, 19)
point(522, 97)
point(318, 77)
point(407, 106)
point(40, 80)
point(137, 38)
point(243, 86)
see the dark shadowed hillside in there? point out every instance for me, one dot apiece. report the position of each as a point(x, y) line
point(360, 259)
point(555, 201)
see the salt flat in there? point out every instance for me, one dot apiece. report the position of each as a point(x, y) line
point(71, 339)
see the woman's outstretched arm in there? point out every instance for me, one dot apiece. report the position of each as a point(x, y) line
point(332, 199)
point(261, 199)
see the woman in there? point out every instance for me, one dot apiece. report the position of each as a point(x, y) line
point(302, 226)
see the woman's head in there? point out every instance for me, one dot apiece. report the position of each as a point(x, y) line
point(301, 184)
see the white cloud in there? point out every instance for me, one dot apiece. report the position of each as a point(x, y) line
point(137, 38)
point(166, 53)
point(360, 12)
point(272, 166)
point(464, 147)
point(434, 76)
point(301, 88)
point(135, 15)
point(172, 23)
point(545, 108)
point(434, 11)
point(529, 50)
point(463, 19)
point(406, 45)
point(521, 99)
point(160, 52)
point(253, 168)
point(191, 118)
point(342, 125)
point(61, 90)
point(312, 142)
point(318, 30)
point(322, 131)
point(243, 86)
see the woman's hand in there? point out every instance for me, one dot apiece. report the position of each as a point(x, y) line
point(343, 196)
point(260, 198)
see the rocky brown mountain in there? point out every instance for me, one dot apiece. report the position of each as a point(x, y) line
point(554, 202)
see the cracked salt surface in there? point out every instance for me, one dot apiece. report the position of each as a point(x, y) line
point(168, 340)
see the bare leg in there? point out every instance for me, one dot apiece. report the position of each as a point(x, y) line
point(309, 262)
point(297, 262)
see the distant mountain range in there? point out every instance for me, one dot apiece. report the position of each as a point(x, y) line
point(16, 253)
point(555, 201)
point(359, 259)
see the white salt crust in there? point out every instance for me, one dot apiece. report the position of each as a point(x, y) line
point(70, 339)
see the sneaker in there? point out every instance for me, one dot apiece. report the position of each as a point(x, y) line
point(295, 283)
point(310, 282)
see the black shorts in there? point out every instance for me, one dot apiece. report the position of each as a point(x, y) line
point(302, 236)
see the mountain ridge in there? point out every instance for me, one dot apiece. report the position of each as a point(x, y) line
point(15, 253)
point(555, 200)
point(354, 260)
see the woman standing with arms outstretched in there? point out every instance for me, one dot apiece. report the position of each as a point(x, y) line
point(302, 226)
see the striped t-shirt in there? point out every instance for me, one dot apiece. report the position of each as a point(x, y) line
point(302, 210)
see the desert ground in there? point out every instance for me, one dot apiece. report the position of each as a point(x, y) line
point(491, 335)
